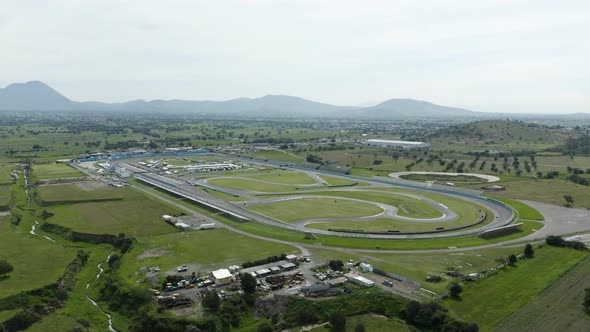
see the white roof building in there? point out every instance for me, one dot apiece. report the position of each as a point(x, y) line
point(222, 276)
point(406, 145)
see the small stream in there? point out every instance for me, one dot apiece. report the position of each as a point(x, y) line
point(34, 233)
point(26, 177)
point(101, 270)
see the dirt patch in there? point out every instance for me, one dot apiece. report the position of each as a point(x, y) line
point(153, 253)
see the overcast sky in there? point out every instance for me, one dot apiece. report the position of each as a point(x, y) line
point(497, 56)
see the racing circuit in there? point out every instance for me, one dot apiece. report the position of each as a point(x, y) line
point(498, 215)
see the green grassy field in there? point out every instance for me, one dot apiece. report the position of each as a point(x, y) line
point(557, 308)
point(466, 210)
point(79, 192)
point(295, 178)
point(524, 211)
point(222, 195)
point(372, 323)
point(55, 171)
point(491, 300)
point(408, 206)
point(545, 191)
point(443, 178)
point(4, 315)
point(253, 185)
point(277, 155)
point(37, 262)
point(77, 305)
point(384, 225)
point(333, 241)
point(208, 250)
point(4, 195)
point(136, 215)
point(417, 266)
point(55, 322)
point(335, 181)
point(5, 174)
point(314, 208)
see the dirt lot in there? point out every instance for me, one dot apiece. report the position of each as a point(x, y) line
point(557, 308)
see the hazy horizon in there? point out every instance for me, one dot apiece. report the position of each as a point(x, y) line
point(505, 57)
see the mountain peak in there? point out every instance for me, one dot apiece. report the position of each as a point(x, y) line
point(32, 95)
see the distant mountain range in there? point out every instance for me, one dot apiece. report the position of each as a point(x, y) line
point(38, 96)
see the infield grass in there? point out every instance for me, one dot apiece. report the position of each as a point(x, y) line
point(333, 241)
point(295, 178)
point(254, 185)
point(336, 181)
point(408, 206)
point(315, 208)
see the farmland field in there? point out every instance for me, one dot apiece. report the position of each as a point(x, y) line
point(55, 171)
point(81, 192)
point(4, 195)
point(557, 308)
point(5, 175)
point(507, 291)
point(135, 215)
point(545, 191)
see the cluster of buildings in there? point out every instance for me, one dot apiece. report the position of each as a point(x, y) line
point(194, 168)
point(225, 276)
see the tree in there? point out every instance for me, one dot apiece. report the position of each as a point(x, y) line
point(211, 301)
point(587, 299)
point(529, 252)
point(569, 200)
point(336, 265)
point(512, 259)
point(264, 327)
point(248, 283)
point(338, 321)
point(455, 289)
point(360, 327)
point(5, 267)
